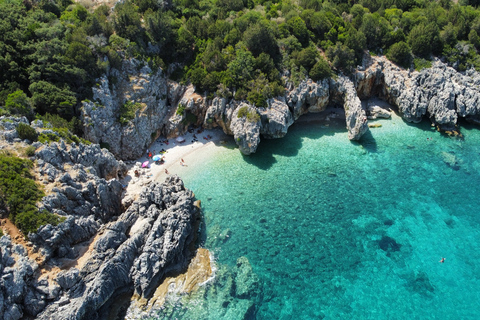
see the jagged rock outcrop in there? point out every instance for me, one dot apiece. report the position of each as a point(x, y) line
point(439, 92)
point(356, 116)
point(8, 128)
point(245, 125)
point(309, 96)
point(375, 111)
point(82, 194)
point(137, 84)
point(16, 269)
point(276, 119)
point(133, 253)
point(190, 109)
point(220, 114)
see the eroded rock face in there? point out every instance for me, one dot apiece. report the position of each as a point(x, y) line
point(439, 92)
point(16, 269)
point(82, 194)
point(246, 128)
point(356, 116)
point(276, 119)
point(309, 96)
point(133, 253)
point(134, 83)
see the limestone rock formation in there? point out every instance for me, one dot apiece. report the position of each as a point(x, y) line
point(135, 84)
point(309, 96)
point(82, 194)
point(275, 119)
point(133, 253)
point(375, 111)
point(15, 270)
point(220, 114)
point(439, 92)
point(245, 126)
point(356, 116)
point(190, 109)
point(8, 128)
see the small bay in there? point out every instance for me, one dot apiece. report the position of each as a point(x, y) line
point(346, 230)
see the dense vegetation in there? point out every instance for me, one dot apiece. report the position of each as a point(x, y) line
point(51, 51)
point(19, 193)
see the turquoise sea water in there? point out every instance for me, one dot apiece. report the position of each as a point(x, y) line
point(342, 230)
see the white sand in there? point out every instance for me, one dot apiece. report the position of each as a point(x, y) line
point(176, 151)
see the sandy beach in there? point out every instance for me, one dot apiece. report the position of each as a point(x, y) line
point(172, 152)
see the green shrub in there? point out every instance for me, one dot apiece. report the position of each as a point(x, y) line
point(20, 193)
point(421, 64)
point(61, 133)
point(58, 122)
point(30, 151)
point(251, 116)
point(180, 110)
point(242, 112)
point(128, 111)
point(18, 103)
point(26, 132)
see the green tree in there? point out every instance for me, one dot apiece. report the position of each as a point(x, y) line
point(299, 29)
point(18, 103)
point(47, 97)
point(127, 21)
point(307, 57)
point(321, 70)
point(400, 54)
point(342, 57)
point(474, 38)
point(424, 40)
point(259, 38)
point(376, 30)
point(241, 68)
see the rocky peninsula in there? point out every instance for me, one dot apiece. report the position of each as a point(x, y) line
point(107, 249)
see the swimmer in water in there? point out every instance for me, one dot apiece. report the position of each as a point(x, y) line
point(442, 260)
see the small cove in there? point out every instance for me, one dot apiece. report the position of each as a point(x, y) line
point(338, 230)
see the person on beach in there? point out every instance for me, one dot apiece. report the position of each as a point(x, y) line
point(166, 171)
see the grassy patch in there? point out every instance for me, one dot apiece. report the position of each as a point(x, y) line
point(251, 116)
point(421, 64)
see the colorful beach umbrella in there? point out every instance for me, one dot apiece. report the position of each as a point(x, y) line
point(145, 164)
point(157, 157)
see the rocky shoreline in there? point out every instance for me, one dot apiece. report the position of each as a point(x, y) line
point(106, 250)
point(166, 108)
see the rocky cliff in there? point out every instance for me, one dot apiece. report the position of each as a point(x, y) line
point(128, 110)
point(168, 108)
point(440, 93)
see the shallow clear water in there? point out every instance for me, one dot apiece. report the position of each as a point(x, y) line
point(342, 230)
